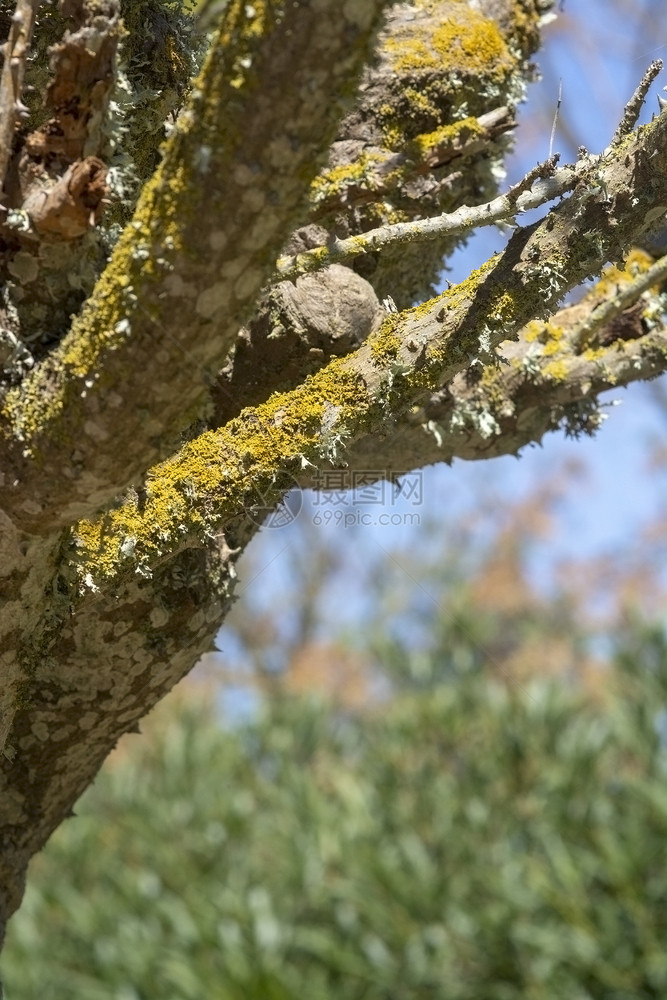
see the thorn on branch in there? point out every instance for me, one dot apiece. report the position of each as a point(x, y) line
point(634, 105)
point(538, 172)
point(555, 121)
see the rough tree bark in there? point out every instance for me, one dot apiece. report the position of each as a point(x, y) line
point(136, 437)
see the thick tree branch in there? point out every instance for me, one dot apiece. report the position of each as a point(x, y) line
point(427, 134)
point(72, 711)
point(549, 380)
point(216, 477)
point(111, 398)
point(538, 390)
point(510, 411)
point(372, 175)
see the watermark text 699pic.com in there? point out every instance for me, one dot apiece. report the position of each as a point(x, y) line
point(361, 498)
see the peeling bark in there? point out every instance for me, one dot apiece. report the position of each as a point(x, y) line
point(15, 56)
point(72, 205)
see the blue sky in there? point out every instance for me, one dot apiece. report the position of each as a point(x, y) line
point(599, 50)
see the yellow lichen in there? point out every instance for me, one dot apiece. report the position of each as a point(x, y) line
point(419, 101)
point(219, 472)
point(553, 343)
point(331, 183)
point(446, 66)
point(470, 44)
point(385, 343)
point(503, 309)
point(458, 132)
point(636, 263)
point(557, 370)
point(549, 334)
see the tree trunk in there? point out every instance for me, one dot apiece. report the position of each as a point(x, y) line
point(135, 447)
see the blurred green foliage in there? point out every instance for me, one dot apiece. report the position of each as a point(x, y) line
point(464, 838)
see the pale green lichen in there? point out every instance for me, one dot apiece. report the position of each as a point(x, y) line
point(476, 415)
point(160, 53)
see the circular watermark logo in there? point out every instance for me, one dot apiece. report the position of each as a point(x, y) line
point(265, 512)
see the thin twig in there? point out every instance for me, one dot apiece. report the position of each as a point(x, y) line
point(15, 51)
point(634, 105)
point(625, 297)
point(520, 198)
point(466, 218)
